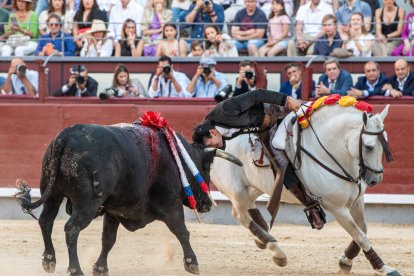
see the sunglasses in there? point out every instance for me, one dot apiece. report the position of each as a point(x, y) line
point(54, 24)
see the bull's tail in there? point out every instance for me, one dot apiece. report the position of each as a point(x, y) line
point(49, 173)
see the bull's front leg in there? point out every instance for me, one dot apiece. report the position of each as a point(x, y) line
point(110, 229)
point(174, 219)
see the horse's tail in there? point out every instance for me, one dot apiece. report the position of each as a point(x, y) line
point(49, 173)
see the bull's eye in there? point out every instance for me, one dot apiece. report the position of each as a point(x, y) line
point(369, 148)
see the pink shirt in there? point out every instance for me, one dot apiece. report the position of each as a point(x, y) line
point(276, 26)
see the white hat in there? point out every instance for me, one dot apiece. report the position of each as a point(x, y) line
point(97, 26)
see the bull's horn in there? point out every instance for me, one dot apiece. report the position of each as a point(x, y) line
point(225, 155)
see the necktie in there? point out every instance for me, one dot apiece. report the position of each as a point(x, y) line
point(331, 85)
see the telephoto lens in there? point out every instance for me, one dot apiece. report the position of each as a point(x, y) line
point(108, 93)
point(206, 70)
point(21, 69)
point(80, 79)
point(224, 93)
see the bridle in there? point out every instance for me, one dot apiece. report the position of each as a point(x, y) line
point(363, 168)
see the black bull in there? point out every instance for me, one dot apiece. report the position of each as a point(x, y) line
point(125, 172)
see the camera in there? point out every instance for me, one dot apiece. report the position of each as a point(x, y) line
point(166, 69)
point(249, 74)
point(128, 86)
point(108, 93)
point(21, 69)
point(224, 93)
point(80, 79)
point(207, 2)
point(206, 70)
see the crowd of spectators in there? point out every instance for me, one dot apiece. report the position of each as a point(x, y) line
point(222, 28)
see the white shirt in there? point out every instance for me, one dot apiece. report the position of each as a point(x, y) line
point(184, 4)
point(363, 41)
point(18, 86)
point(312, 19)
point(104, 50)
point(166, 88)
point(118, 16)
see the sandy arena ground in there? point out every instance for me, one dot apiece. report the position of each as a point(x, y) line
point(221, 250)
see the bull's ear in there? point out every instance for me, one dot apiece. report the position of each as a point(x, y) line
point(365, 118)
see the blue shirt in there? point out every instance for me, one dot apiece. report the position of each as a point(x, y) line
point(69, 45)
point(323, 48)
point(344, 13)
point(197, 29)
point(209, 89)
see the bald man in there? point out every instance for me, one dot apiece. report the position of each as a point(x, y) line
point(402, 83)
point(20, 80)
point(371, 84)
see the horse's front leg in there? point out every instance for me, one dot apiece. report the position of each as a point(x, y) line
point(344, 218)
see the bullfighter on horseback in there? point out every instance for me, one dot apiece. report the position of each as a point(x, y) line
point(258, 112)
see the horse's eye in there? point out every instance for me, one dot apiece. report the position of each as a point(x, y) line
point(369, 148)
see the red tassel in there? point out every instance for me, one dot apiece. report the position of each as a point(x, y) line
point(154, 119)
point(332, 99)
point(363, 106)
point(204, 187)
point(192, 202)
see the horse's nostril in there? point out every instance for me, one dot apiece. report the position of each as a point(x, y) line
point(373, 183)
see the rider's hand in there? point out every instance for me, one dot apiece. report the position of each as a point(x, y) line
point(293, 104)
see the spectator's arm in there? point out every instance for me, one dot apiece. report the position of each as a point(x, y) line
point(183, 48)
point(397, 33)
point(345, 86)
point(70, 47)
point(8, 86)
point(91, 88)
point(154, 90)
point(367, 22)
point(29, 87)
point(192, 12)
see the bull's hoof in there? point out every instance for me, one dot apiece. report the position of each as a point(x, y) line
point(191, 267)
point(75, 272)
point(280, 261)
point(100, 271)
point(49, 263)
point(260, 245)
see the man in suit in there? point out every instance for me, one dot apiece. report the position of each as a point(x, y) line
point(293, 87)
point(402, 83)
point(334, 81)
point(371, 84)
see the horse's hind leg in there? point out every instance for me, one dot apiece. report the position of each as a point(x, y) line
point(46, 221)
point(344, 218)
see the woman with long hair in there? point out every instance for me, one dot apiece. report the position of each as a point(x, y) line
point(153, 20)
point(278, 31)
point(88, 11)
point(23, 22)
point(218, 44)
point(357, 39)
point(170, 45)
point(389, 24)
point(57, 7)
point(124, 85)
point(130, 44)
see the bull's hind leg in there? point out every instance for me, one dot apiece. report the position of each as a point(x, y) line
point(174, 219)
point(344, 218)
point(46, 221)
point(110, 229)
point(83, 212)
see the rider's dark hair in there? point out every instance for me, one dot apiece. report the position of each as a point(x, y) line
point(202, 131)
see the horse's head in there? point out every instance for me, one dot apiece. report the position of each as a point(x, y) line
point(372, 143)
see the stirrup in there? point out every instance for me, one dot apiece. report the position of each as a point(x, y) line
point(319, 210)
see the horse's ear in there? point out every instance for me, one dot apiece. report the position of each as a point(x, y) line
point(365, 118)
point(384, 113)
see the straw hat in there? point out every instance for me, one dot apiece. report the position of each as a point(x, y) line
point(97, 26)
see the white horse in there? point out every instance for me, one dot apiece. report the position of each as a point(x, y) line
point(354, 139)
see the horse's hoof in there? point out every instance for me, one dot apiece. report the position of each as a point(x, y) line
point(280, 261)
point(260, 245)
point(100, 271)
point(49, 266)
point(75, 272)
point(394, 273)
point(344, 268)
point(192, 268)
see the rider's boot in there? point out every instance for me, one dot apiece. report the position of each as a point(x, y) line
point(313, 211)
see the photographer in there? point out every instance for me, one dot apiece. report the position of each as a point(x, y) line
point(79, 84)
point(207, 81)
point(168, 83)
point(204, 11)
point(246, 81)
point(123, 86)
point(20, 80)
